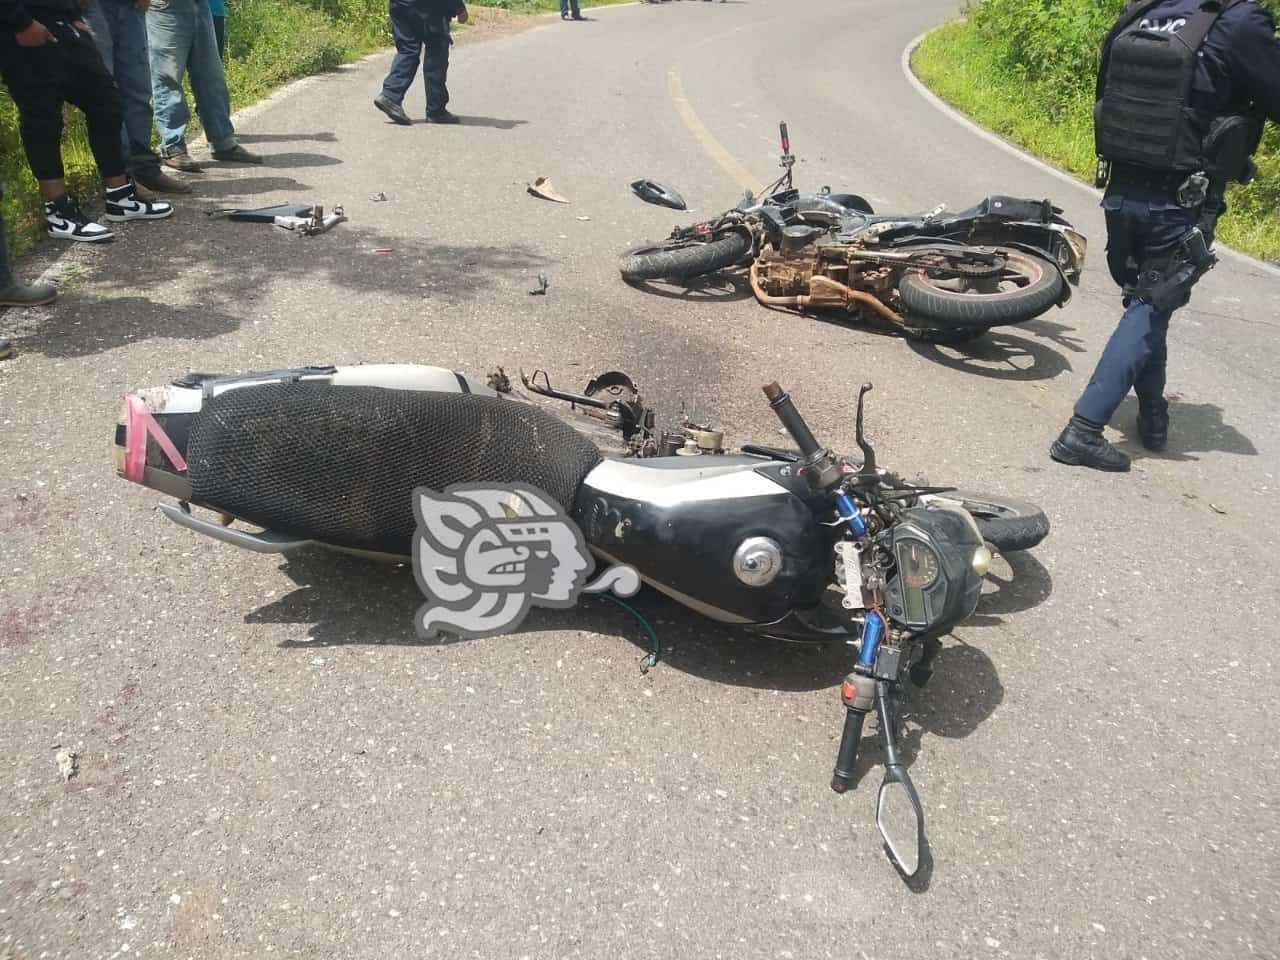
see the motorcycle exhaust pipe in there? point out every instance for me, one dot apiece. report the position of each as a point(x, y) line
point(827, 293)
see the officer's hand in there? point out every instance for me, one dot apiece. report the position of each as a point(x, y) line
point(36, 35)
point(141, 5)
point(81, 26)
point(463, 17)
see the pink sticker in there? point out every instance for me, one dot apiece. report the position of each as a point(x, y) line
point(139, 423)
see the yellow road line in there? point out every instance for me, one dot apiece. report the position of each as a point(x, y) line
point(714, 148)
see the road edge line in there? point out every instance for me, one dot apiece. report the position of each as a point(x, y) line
point(994, 138)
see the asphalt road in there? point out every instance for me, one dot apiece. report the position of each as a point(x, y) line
point(271, 764)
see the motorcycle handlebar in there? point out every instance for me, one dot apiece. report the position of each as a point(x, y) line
point(780, 400)
point(786, 140)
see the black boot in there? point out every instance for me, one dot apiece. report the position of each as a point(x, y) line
point(1153, 423)
point(1082, 444)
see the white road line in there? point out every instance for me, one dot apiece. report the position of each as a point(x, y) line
point(979, 131)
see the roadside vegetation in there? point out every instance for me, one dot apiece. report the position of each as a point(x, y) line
point(1026, 69)
point(269, 42)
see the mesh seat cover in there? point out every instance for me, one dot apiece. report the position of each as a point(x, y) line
point(339, 464)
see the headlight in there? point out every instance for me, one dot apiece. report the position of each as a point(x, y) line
point(982, 561)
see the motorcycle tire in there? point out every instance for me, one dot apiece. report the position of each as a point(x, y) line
point(681, 260)
point(926, 299)
point(1008, 525)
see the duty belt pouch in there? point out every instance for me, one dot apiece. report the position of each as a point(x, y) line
point(1230, 145)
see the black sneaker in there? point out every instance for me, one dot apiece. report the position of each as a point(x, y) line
point(123, 204)
point(1153, 424)
point(1082, 444)
point(66, 221)
point(444, 116)
point(392, 110)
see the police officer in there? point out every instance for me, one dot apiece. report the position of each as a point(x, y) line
point(421, 29)
point(1183, 91)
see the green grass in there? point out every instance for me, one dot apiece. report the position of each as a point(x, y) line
point(269, 43)
point(1055, 122)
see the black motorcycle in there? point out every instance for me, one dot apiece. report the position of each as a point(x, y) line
point(794, 543)
point(935, 276)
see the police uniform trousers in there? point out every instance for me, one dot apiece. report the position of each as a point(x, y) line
point(1143, 222)
point(422, 35)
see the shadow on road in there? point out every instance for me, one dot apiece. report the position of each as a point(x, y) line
point(345, 600)
point(246, 186)
point(711, 288)
point(1193, 428)
point(229, 271)
point(291, 160)
point(1017, 582)
point(999, 355)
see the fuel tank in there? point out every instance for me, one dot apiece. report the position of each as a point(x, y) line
point(732, 537)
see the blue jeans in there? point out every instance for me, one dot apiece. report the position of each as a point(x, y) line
point(1141, 223)
point(420, 37)
point(182, 42)
point(564, 8)
point(120, 31)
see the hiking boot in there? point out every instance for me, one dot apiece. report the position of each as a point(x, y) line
point(236, 154)
point(444, 116)
point(27, 294)
point(157, 181)
point(392, 110)
point(181, 160)
point(123, 203)
point(1153, 424)
point(66, 221)
point(1082, 444)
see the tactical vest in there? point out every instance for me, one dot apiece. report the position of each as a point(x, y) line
point(1145, 115)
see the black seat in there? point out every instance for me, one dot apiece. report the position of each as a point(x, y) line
point(339, 464)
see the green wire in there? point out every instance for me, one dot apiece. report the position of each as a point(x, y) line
point(656, 651)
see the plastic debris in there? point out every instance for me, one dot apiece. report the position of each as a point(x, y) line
point(542, 187)
point(66, 764)
point(384, 249)
point(379, 197)
point(543, 283)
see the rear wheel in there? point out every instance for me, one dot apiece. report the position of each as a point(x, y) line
point(682, 259)
point(1008, 525)
point(1023, 287)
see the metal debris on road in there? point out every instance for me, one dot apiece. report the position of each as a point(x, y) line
point(379, 197)
point(384, 249)
point(1217, 509)
point(543, 283)
point(543, 188)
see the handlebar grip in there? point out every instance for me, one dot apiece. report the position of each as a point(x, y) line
point(791, 419)
point(848, 755)
point(786, 139)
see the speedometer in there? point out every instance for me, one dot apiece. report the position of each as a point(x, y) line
point(919, 563)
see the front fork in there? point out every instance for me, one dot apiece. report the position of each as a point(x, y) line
point(860, 693)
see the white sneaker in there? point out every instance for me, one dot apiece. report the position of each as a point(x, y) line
point(123, 204)
point(65, 220)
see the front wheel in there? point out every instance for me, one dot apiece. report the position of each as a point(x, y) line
point(1024, 287)
point(1008, 525)
point(682, 259)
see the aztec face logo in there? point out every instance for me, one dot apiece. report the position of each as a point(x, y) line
point(484, 556)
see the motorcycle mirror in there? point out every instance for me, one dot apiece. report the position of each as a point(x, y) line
point(901, 820)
